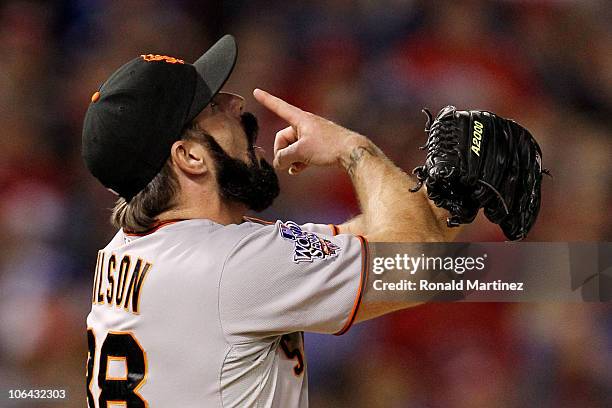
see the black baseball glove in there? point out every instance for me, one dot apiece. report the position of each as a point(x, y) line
point(476, 159)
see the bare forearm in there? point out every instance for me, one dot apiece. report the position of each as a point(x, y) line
point(390, 212)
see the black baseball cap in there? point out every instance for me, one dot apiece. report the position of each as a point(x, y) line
point(141, 110)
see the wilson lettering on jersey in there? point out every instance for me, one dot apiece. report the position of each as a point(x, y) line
point(118, 283)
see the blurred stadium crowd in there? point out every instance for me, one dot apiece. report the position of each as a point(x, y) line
point(371, 66)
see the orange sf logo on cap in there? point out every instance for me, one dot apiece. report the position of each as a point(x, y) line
point(156, 57)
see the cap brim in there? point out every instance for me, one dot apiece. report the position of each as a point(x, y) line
point(214, 69)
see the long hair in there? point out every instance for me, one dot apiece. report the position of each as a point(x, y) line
point(140, 214)
point(158, 196)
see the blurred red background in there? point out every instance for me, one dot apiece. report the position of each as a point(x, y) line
point(370, 66)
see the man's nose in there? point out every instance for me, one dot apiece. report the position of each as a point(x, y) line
point(232, 103)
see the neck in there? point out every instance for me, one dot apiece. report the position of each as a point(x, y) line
point(211, 208)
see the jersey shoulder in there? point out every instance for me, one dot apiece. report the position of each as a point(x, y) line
point(186, 233)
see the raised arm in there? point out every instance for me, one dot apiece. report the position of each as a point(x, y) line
point(389, 211)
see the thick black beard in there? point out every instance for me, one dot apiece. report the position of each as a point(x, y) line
point(253, 184)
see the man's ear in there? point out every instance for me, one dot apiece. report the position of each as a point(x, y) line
point(191, 157)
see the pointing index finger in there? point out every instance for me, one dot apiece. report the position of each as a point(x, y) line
point(288, 112)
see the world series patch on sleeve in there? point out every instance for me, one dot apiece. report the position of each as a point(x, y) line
point(308, 246)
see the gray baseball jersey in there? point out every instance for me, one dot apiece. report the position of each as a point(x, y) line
point(197, 314)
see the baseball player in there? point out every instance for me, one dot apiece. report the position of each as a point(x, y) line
point(194, 305)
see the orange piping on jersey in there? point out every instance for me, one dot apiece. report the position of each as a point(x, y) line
point(258, 220)
point(362, 283)
point(152, 229)
point(334, 229)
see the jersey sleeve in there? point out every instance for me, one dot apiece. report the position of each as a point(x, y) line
point(324, 229)
point(282, 278)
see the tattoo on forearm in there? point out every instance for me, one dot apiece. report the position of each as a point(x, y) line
point(356, 155)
